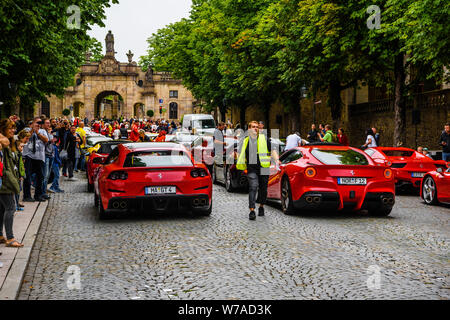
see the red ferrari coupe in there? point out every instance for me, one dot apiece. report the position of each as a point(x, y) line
point(153, 176)
point(331, 177)
point(96, 158)
point(409, 166)
point(435, 187)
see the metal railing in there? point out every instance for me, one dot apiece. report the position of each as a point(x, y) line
point(431, 99)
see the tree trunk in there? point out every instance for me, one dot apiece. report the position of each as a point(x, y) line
point(223, 114)
point(399, 102)
point(335, 102)
point(242, 117)
point(267, 118)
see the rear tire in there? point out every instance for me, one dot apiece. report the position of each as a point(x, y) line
point(228, 180)
point(213, 174)
point(95, 200)
point(101, 211)
point(205, 212)
point(287, 205)
point(90, 187)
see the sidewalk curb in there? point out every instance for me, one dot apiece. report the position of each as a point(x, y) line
point(13, 281)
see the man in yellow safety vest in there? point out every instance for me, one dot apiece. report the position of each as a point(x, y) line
point(255, 157)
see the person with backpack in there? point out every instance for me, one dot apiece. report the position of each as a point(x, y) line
point(72, 144)
point(10, 184)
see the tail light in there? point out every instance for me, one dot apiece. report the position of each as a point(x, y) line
point(388, 173)
point(310, 172)
point(118, 175)
point(196, 173)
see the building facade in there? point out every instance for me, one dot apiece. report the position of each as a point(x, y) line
point(111, 89)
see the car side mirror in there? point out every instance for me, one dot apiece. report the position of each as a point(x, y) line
point(439, 170)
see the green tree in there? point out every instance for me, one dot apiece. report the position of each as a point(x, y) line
point(40, 53)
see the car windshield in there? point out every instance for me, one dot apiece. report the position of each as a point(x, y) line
point(90, 142)
point(204, 124)
point(106, 148)
point(164, 158)
point(340, 157)
point(398, 153)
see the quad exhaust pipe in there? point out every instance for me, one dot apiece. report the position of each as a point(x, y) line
point(199, 202)
point(388, 201)
point(119, 204)
point(311, 200)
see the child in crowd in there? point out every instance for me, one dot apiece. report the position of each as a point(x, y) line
point(55, 167)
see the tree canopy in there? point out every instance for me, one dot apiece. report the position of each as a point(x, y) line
point(42, 45)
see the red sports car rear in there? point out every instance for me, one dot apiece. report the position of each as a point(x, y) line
point(152, 177)
point(324, 177)
point(408, 165)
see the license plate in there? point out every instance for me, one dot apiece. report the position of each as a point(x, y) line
point(160, 190)
point(418, 174)
point(352, 181)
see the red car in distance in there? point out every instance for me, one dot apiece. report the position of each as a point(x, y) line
point(321, 176)
point(96, 158)
point(435, 186)
point(409, 166)
point(152, 176)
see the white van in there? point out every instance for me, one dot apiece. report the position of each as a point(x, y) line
point(199, 124)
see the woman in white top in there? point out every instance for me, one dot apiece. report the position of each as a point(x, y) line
point(370, 140)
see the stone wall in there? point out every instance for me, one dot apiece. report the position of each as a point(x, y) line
point(434, 113)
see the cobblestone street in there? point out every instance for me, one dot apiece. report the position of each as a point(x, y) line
point(226, 256)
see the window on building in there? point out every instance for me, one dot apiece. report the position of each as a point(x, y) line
point(45, 108)
point(173, 94)
point(173, 110)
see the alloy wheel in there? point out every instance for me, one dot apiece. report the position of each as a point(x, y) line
point(429, 191)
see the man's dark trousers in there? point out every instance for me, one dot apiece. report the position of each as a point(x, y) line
point(36, 167)
point(257, 185)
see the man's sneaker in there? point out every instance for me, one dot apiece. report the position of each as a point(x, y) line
point(252, 215)
point(44, 196)
point(73, 179)
point(261, 211)
point(20, 209)
point(65, 174)
point(28, 200)
point(50, 191)
point(60, 191)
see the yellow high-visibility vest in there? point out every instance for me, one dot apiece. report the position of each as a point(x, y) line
point(263, 153)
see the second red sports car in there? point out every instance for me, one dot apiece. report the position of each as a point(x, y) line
point(330, 177)
point(99, 153)
point(409, 166)
point(152, 177)
point(435, 186)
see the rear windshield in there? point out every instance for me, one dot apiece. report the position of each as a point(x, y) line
point(157, 159)
point(340, 157)
point(106, 148)
point(397, 153)
point(204, 124)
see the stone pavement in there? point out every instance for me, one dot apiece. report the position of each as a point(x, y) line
point(15, 260)
point(226, 256)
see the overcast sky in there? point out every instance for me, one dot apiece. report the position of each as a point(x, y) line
point(133, 21)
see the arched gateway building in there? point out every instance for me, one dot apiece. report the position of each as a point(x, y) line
point(110, 88)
